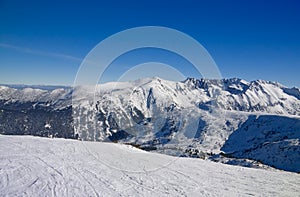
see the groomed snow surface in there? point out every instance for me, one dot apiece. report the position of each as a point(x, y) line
point(33, 166)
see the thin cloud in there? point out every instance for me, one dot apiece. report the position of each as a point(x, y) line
point(35, 52)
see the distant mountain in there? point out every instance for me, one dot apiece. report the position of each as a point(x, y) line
point(42, 87)
point(31, 111)
point(227, 120)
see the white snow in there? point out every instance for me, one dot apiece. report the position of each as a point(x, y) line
point(48, 126)
point(61, 96)
point(33, 166)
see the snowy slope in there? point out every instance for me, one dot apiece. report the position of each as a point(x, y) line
point(194, 118)
point(273, 140)
point(153, 103)
point(33, 166)
point(131, 103)
point(55, 98)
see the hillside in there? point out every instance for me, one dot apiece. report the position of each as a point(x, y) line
point(229, 120)
point(33, 166)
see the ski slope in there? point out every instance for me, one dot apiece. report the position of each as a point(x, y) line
point(34, 166)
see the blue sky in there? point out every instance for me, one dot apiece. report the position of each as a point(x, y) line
point(44, 42)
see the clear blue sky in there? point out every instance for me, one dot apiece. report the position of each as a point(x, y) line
point(43, 42)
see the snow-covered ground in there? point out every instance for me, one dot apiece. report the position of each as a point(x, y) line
point(33, 166)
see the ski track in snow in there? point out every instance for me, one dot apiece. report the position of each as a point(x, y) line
point(33, 166)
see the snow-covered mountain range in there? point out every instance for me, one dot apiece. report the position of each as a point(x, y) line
point(227, 120)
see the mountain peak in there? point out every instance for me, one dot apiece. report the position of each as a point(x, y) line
point(153, 112)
